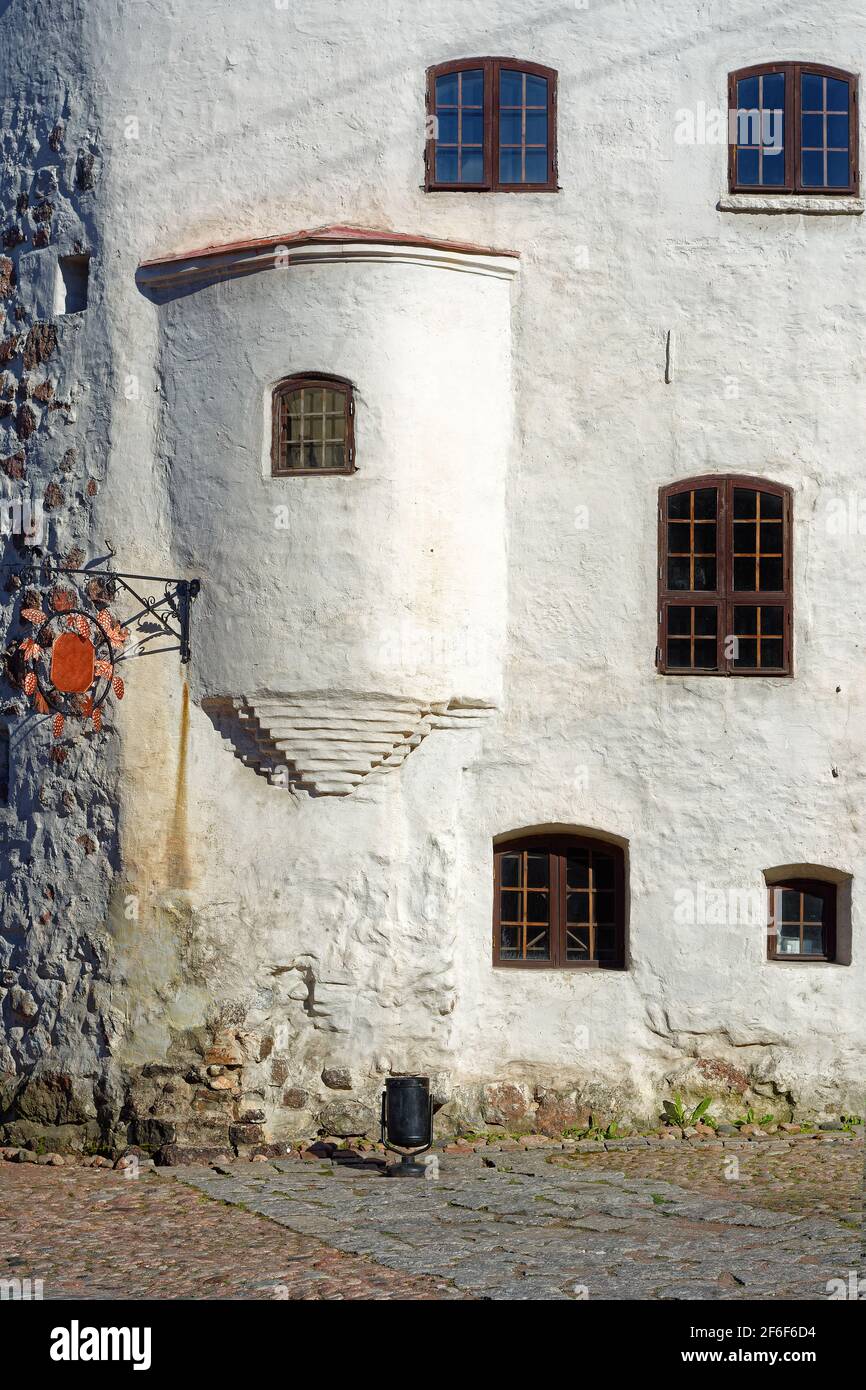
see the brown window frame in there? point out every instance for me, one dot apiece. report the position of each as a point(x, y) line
point(793, 129)
point(492, 69)
point(557, 847)
point(819, 888)
point(724, 598)
point(322, 381)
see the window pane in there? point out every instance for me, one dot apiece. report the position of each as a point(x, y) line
point(747, 166)
point(537, 907)
point(745, 502)
point(678, 505)
point(605, 907)
point(510, 128)
point(837, 94)
point(772, 621)
point(705, 503)
point(577, 943)
point(837, 169)
point(536, 128)
point(679, 653)
point(577, 907)
point(446, 90)
point(812, 92)
point(577, 869)
point(538, 944)
point(705, 573)
point(745, 579)
point(790, 905)
point(788, 941)
point(446, 165)
point(771, 505)
point(813, 941)
point(472, 87)
point(509, 870)
point(813, 908)
point(746, 654)
point(536, 166)
point(706, 655)
point(773, 91)
point(813, 131)
point(679, 621)
point(745, 537)
point(773, 169)
point(537, 870)
point(747, 93)
point(705, 621)
point(771, 574)
point(837, 132)
point(603, 870)
point(510, 906)
point(510, 166)
point(509, 943)
point(812, 165)
point(746, 621)
point(772, 653)
point(510, 88)
point(536, 90)
point(472, 166)
point(679, 536)
point(473, 128)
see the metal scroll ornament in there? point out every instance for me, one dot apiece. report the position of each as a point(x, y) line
point(69, 661)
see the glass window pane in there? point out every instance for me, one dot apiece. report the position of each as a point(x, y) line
point(472, 87)
point(772, 653)
point(538, 945)
point(447, 127)
point(679, 536)
point(679, 620)
point(747, 94)
point(678, 505)
point(536, 90)
point(837, 169)
point(812, 165)
point(813, 941)
point(446, 90)
point(538, 907)
point(446, 165)
point(706, 654)
point(746, 654)
point(837, 94)
point(813, 131)
point(537, 870)
point(577, 868)
point(771, 505)
point(813, 908)
point(747, 166)
point(536, 166)
point(705, 621)
point(603, 870)
point(679, 653)
point(744, 574)
point(837, 132)
point(745, 503)
point(577, 907)
point(472, 166)
point(788, 941)
point(773, 91)
point(745, 537)
point(705, 503)
point(510, 128)
point(509, 870)
point(679, 575)
point(605, 907)
point(790, 905)
point(772, 621)
point(510, 166)
point(772, 574)
point(473, 128)
point(510, 906)
point(771, 537)
point(705, 574)
point(773, 169)
point(577, 943)
point(812, 89)
point(510, 88)
point(509, 943)
point(536, 127)
point(745, 621)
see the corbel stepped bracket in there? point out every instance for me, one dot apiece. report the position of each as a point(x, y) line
point(329, 745)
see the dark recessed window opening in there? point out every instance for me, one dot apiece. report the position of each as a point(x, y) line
point(73, 275)
point(4, 764)
point(793, 129)
point(492, 126)
point(802, 920)
point(725, 605)
point(559, 901)
point(313, 426)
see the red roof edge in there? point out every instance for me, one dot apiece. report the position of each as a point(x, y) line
point(325, 234)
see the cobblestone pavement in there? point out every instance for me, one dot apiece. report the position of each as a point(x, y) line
point(543, 1226)
point(97, 1235)
point(647, 1224)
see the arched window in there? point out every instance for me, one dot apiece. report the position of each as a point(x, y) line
point(793, 129)
point(724, 577)
point(559, 901)
point(802, 920)
point(491, 126)
point(313, 426)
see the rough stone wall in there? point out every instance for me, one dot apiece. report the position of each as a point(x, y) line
point(58, 819)
point(295, 935)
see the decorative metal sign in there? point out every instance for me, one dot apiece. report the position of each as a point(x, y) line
point(68, 662)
